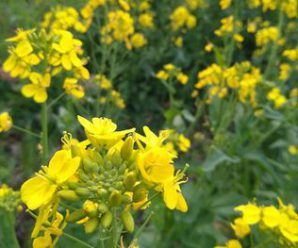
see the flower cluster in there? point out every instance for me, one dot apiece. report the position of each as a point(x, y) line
point(37, 56)
point(9, 199)
point(171, 72)
point(105, 176)
point(181, 18)
point(241, 78)
point(281, 223)
point(5, 122)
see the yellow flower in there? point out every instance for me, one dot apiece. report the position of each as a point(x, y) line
point(156, 165)
point(5, 122)
point(292, 149)
point(271, 216)
point(178, 42)
point(102, 131)
point(182, 78)
point(224, 4)
point(181, 17)
point(251, 213)
point(138, 40)
point(146, 20)
point(40, 190)
point(38, 88)
point(209, 47)
point(68, 47)
point(162, 75)
point(184, 143)
point(241, 228)
point(233, 243)
point(72, 87)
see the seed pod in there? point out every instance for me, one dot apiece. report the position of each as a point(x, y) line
point(69, 195)
point(102, 208)
point(83, 191)
point(91, 225)
point(76, 215)
point(127, 148)
point(90, 208)
point(129, 180)
point(127, 221)
point(115, 198)
point(90, 166)
point(106, 219)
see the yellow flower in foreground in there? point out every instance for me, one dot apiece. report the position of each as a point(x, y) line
point(40, 190)
point(241, 228)
point(156, 165)
point(251, 213)
point(5, 122)
point(271, 216)
point(102, 131)
point(38, 88)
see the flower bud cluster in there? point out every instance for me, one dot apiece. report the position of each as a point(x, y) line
point(9, 199)
point(104, 178)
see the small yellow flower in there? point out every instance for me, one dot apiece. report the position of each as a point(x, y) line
point(5, 122)
point(182, 78)
point(162, 75)
point(38, 87)
point(292, 149)
point(251, 213)
point(102, 131)
point(241, 228)
point(184, 143)
point(138, 40)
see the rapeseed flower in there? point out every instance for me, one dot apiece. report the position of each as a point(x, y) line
point(5, 122)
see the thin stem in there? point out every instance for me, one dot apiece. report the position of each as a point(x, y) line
point(26, 131)
point(114, 234)
point(44, 137)
point(52, 103)
point(77, 240)
point(138, 233)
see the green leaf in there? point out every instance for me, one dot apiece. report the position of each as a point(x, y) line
point(216, 158)
point(7, 230)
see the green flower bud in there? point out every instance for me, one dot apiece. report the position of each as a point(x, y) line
point(116, 159)
point(126, 199)
point(106, 219)
point(127, 148)
point(69, 195)
point(90, 208)
point(102, 192)
point(90, 166)
point(76, 215)
point(127, 221)
point(83, 176)
point(91, 225)
point(139, 193)
point(129, 180)
point(83, 191)
point(115, 198)
point(102, 208)
point(72, 185)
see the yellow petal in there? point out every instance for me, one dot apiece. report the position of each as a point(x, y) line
point(75, 59)
point(40, 95)
point(42, 217)
point(62, 166)
point(66, 62)
point(10, 63)
point(28, 90)
point(37, 191)
point(181, 203)
point(170, 195)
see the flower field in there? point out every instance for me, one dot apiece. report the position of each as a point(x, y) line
point(144, 123)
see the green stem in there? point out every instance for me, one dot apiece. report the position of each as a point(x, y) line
point(26, 131)
point(44, 137)
point(114, 238)
point(272, 56)
point(77, 240)
point(52, 103)
point(138, 233)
